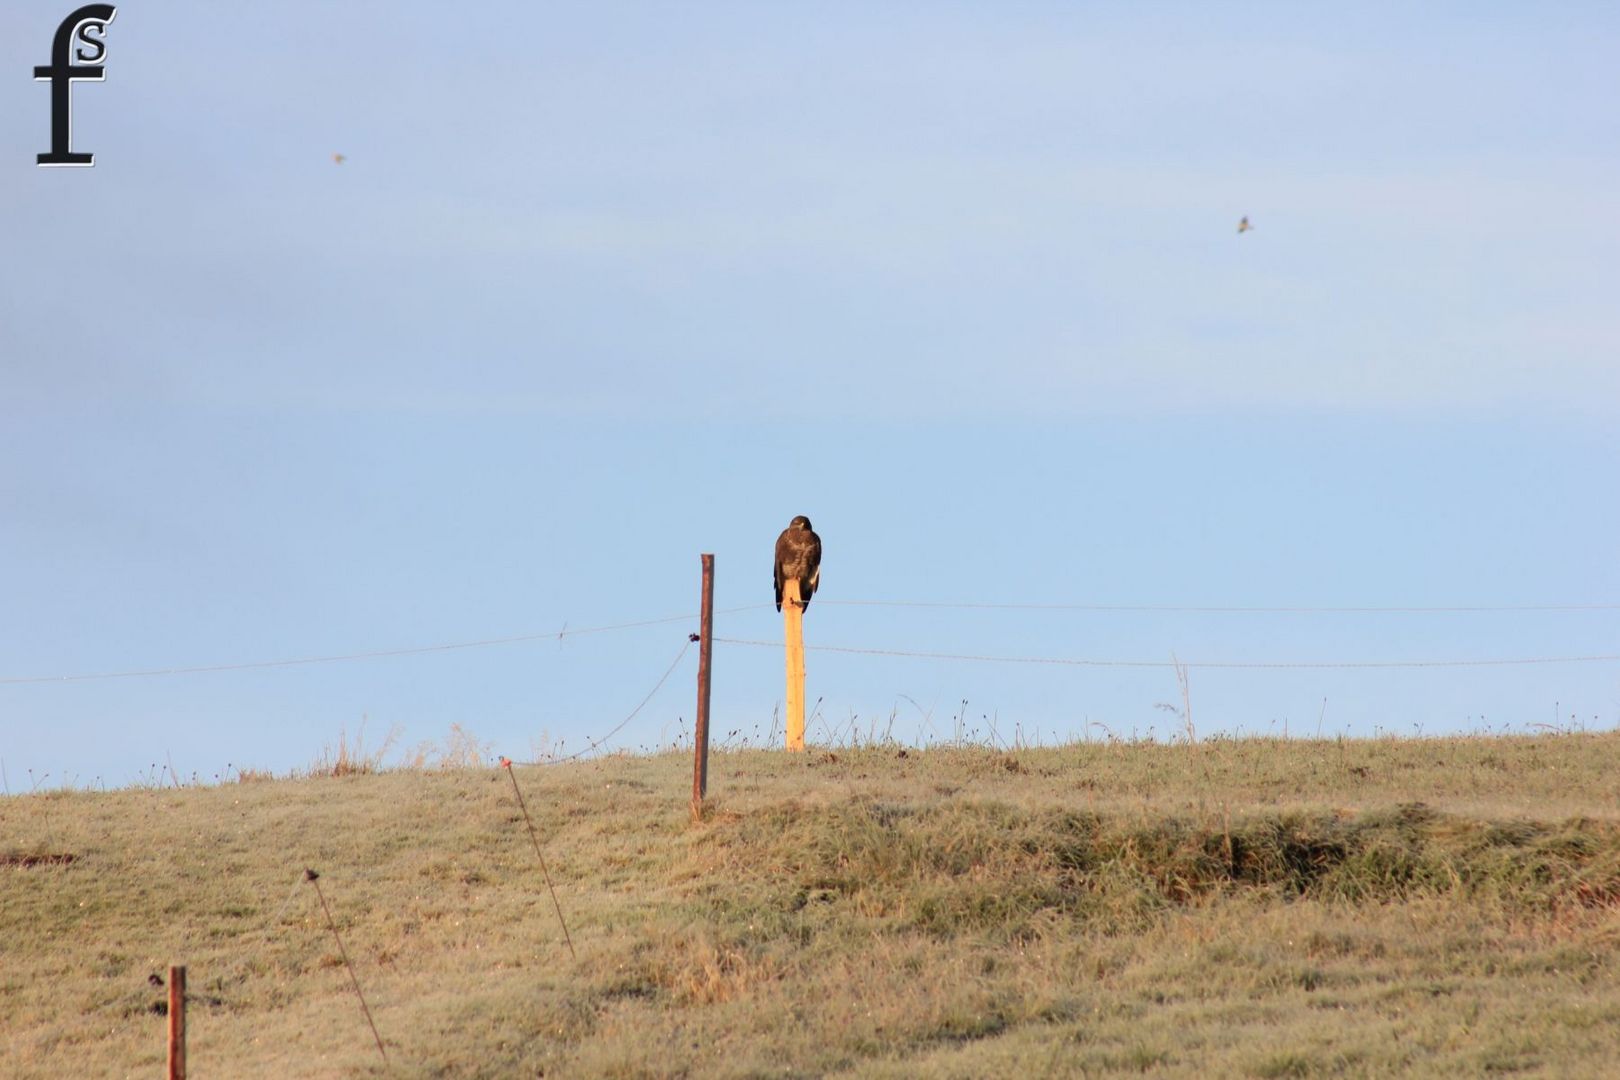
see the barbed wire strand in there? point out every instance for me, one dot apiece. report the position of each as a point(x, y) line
point(373, 655)
point(1204, 665)
point(597, 743)
point(266, 934)
point(1181, 609)
point(565, 632)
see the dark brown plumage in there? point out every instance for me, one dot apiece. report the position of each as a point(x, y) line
point(798, 558)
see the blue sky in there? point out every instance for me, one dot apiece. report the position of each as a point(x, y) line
point(601, 287)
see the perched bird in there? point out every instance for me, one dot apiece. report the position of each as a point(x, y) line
point(798, 558)
point(340, 159)
point(1244, 226)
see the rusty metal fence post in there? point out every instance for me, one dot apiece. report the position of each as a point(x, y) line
point(177, 1022)
point(700, 762)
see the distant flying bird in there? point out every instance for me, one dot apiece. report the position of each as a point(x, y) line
point(1244, 226)
point(340, 159)
point(798, 558)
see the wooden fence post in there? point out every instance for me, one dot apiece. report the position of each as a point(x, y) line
point(700, 762)
point(177, 1022)
point(793, 635)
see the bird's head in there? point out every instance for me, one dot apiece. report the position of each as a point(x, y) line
point(800, 522)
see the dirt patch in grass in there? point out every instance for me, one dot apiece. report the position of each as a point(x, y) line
point(26, 862)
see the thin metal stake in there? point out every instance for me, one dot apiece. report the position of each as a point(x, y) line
point(506, 763)
point(314, 879)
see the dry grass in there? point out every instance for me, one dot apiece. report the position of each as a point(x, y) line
point(353, 759)
point(461, 749)
point(1244, 908)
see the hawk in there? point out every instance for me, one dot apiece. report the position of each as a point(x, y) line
point(798, 558)
point(1244, 226)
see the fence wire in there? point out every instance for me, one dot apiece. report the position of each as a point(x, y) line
point(1182, 609)
point(378, 654)
point(1201, 664)
point(596, 744)
point(1164, 609)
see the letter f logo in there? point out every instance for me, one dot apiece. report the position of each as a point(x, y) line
point(92, 18)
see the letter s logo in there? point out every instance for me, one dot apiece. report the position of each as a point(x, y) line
point(86, 26)
point(94, 42)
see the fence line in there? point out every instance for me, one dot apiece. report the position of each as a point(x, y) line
point(1167, 609)
point(1205, 665)
point(1181, 609)
point(374, 655)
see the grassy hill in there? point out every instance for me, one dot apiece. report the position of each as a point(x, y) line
point(1246, 908)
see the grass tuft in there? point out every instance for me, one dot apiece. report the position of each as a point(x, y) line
point(352, 759)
